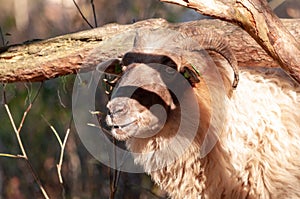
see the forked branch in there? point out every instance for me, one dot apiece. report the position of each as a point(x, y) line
point(257, 18)
point(62, 144)
point(23, 154)
point(67, 54)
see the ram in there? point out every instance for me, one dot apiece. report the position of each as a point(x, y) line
point(201, 127)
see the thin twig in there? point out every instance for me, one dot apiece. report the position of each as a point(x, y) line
point(83, 17)
point(60, 100)
point(114, 172)
point(94, 13)
point(54, 131)
point(3, 94)
point(93, 125)
point(39, 90)
point(62, 146)
point(28, 108)
point(2, 37)
point(7, 155)
point(38, 181)
point(29, 92)
point(17, 133)
point(59, 165)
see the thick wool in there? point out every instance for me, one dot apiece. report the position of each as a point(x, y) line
point(258, 150)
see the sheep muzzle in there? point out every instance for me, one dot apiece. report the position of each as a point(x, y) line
point(140, 102)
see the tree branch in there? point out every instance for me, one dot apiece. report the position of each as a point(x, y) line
point(257, 18)
point(42, 60)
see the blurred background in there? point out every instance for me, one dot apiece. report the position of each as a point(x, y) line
point(84, 177)
point(24, 20)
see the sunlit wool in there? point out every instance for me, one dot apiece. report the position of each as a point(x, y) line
point(258, 153)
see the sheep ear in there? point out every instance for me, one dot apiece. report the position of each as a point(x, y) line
point(112, 66)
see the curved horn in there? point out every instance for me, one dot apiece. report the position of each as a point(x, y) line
point(209, 40)
point(167, 41)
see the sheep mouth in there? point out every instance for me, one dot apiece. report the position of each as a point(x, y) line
point(122, 132)
point(123, 125)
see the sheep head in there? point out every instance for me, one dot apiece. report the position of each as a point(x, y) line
point(143, 104)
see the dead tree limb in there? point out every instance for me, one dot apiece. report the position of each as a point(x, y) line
point(257, 18)
point(42, 60)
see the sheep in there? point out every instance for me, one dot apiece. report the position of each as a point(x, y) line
point(241, 127)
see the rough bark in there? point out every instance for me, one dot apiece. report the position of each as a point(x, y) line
point(257, 18)
point(42, 60)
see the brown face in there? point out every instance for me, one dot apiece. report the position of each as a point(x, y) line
point(140, 102)
point(128, 118)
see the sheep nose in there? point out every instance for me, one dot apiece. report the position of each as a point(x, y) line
point(117, 109)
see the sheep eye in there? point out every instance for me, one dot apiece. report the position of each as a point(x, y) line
point(190, 75)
